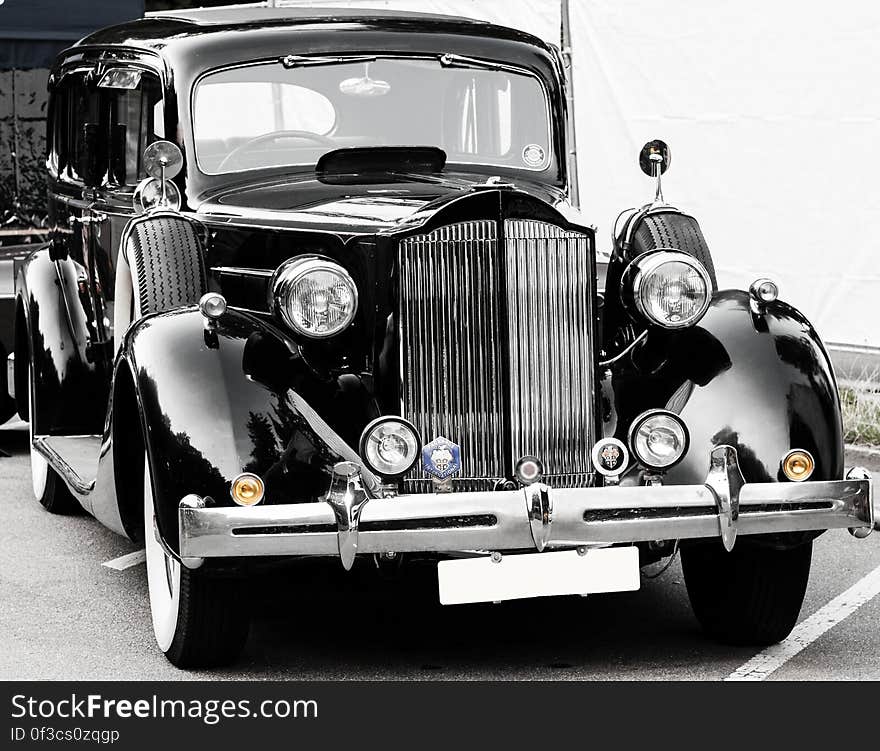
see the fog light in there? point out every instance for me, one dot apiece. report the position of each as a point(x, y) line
point(529, 470)
point(658, 438)
point(390, 446)
point(798, 465)
point(247, 489)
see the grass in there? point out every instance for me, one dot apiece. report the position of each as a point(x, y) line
point(861, 416)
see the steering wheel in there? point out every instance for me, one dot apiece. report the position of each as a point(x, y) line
point(271, 137)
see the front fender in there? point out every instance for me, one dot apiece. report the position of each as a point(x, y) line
point(761, 382)
point(236, 397)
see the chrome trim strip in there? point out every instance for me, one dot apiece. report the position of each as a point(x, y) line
point(60, 465)
point(243, 271)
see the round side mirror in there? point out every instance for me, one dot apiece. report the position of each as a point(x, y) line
point(151, 194)
point(163, 160)
point(654, 155)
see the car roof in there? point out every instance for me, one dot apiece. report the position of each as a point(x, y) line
point(159, 31)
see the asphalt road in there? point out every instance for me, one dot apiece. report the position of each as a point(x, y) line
point(66, 616)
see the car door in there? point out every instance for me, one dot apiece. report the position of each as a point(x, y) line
point(69, 387)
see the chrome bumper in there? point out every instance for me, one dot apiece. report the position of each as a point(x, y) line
point(349, 521)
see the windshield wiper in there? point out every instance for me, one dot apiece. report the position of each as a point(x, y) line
point(297, 61)
point(449, 60)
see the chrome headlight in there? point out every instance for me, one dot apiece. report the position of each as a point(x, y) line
point(390, 446)
point(670, 289)
point(315, 296)
point(658, 439)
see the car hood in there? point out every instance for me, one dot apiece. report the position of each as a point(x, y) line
point(347, 206)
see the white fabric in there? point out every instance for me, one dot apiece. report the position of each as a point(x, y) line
point(772, 112)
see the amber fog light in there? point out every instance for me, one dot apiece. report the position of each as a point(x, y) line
point(247, 489)
point(798, 465)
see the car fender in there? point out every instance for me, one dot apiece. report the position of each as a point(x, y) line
point(219, 398)
point(67, 383)
point(759, 380)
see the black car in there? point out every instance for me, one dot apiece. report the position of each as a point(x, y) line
point(316, 288)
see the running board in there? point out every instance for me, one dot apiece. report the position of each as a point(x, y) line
point(74, 457)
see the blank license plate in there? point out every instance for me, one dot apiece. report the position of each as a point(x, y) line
point(538, 575)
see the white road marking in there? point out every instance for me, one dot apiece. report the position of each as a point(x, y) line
point(806, 632)
point(127, 561)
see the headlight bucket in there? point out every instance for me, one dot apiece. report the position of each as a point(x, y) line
point(659, 439)
point(667, 288)
point(390, 446)
point(314, 296)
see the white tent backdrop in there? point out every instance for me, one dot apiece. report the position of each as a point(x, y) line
point(772, 111)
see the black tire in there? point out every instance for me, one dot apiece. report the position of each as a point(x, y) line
point(167, 259)
point(212, 623)
point(750, 596)
point(669, 229)
point(49, 489)
point(57, 499)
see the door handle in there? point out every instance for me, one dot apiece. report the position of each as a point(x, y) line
point(96, 218)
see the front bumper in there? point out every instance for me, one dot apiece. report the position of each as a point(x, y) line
point(349, 521)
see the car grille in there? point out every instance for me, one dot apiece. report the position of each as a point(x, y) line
point(495, 351)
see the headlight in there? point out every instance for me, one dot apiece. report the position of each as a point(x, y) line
point(315, 296)
point(671, 289)
point(658, 439)
point(390, 446)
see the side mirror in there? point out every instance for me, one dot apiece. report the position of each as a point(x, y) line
point(654, 156)
point(89, 158)
point(654, 159)
point(162, 161)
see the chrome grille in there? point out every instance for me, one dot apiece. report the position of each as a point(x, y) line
point(495, 347)
point(450, 330)
point(549, 312)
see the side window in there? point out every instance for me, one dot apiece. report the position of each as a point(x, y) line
point(106, 126)
point(134, 121)
point(79, 131)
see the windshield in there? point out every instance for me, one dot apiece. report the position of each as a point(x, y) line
point(271, 115)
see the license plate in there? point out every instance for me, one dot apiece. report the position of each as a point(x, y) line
point(538, 575)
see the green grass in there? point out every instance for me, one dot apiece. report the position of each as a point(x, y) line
point(861, 417)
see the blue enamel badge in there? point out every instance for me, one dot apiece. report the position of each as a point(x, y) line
point(441, 458)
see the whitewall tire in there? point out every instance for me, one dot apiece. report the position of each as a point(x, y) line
point(199, 620)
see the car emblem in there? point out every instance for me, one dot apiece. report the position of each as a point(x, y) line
point(610, 456)
point(441, 458)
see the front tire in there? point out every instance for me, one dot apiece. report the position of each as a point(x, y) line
point(750, 596)
point(198, 621)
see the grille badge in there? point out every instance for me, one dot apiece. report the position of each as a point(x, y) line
point(441, 458)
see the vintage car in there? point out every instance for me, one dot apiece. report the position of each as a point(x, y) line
point(317, 288)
